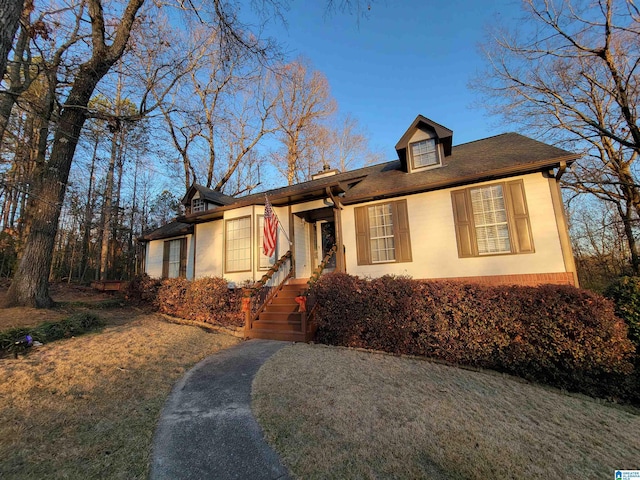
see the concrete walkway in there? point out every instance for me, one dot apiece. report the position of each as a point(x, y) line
point(207, 430)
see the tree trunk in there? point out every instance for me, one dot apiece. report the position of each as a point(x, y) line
point(107, 208)
point(10, 11)
point(88, 215)
point(30, 285)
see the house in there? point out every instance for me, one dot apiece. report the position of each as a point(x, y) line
point(487, 211)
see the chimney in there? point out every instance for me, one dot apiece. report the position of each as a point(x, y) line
point(325, 172)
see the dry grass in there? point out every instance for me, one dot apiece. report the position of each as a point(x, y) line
point(338, 413)
point(66, 294)
point(87, 407)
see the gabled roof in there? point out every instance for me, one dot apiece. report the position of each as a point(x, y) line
point(173, 229)
point(444, 135)
point(212, 196)
point(291, 194)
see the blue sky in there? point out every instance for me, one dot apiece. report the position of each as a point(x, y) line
point(405, 58)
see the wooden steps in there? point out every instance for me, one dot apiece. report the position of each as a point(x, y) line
point(281, 319)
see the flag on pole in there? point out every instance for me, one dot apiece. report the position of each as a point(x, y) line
point(270, 233)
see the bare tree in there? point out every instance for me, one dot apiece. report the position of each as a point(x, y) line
point(345, 145)
point(303, 102)
point(570, 73)
point(10, 11)
point(106, 29)
point(30, 283)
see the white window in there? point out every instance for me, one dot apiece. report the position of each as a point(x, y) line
point(264, 262)
point(174, 258)
point(424, 153)
point(381, 233)
point(490, 219)
point(197, 205)
point(238, 244)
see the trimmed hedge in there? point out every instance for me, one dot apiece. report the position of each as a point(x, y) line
point(46, 332)
point(558, 335)
point(206, 299)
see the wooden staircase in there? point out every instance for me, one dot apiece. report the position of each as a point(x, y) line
point(281, 318)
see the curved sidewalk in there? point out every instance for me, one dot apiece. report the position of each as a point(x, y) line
point(207, 430)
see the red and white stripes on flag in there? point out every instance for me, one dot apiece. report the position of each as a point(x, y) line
point(270, 232)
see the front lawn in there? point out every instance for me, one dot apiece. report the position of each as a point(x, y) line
point(332, 412)
point(87, 407)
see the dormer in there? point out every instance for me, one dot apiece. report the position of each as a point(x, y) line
point(424, 145)
point(199, 199)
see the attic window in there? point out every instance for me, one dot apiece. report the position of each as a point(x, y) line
point(424, 153)
point(197, 205)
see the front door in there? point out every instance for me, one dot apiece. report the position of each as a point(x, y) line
point(326, 238)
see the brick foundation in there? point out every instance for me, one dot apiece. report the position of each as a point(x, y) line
point(528, 279)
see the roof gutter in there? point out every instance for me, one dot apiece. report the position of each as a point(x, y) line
point(218, 212)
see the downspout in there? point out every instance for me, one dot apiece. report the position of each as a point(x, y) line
point(292, 238)
point(337, 217)
point(562, 223)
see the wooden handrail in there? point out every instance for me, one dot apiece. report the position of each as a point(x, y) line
point(249, 293)
point(315, 276)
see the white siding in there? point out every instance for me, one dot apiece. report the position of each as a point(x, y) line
point(209, 249)
point(433, 239)
point(302, 248)
point(155, 252)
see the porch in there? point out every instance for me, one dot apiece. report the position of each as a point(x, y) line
point(276, 306)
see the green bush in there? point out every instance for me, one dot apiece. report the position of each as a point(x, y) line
point(625, 293)
point(46, 332)
point(559, 335)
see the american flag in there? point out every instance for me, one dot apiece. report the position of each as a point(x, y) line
point(270, 233)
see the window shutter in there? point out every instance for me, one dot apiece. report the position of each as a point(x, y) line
point(165, 259)
point(362, 236)
point(465, 237)
point(183, 257)
point(520, 213)
point(402, 237)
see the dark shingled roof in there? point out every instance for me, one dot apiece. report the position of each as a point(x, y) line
point(494, 157)
point(172, 229)
point(208, 194)
point(490, 158)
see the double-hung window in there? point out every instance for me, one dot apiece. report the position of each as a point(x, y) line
point(382, 233)
point(492, 219)
point(238, 244)
point(424, 153)
point(174, 259)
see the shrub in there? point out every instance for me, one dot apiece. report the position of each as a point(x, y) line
point(46, 332)
point(143, 289)
point(625, 293)
point(205, 300)
point(558, 335)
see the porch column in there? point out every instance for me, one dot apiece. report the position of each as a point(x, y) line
point(337, 220)
point(292, 239)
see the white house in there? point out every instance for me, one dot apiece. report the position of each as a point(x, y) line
point(487, 211)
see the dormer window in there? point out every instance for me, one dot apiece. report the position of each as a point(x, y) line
point(424, 153)
point(197, 205)
point(425, 145)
